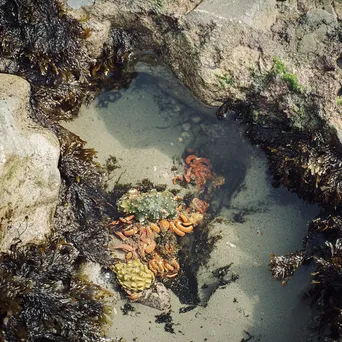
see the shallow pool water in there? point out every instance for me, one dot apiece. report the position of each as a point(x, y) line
point(147, 127)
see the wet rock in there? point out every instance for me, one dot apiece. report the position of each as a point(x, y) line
point(29, 177)
point(157, 297)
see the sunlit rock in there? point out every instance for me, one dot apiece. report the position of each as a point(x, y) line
point(29, 177)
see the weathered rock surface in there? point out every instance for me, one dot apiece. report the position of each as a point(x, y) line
point(222, 50)
point(157, 297)
point(29, 177)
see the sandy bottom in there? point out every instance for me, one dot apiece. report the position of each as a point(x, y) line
point(147, 128)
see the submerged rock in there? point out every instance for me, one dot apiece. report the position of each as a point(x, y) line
point(157, 297)
point(29, 177)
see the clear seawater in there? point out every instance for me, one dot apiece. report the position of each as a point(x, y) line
point(147, 127)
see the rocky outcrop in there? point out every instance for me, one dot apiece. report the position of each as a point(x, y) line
point(29, 177)
point(227, 50)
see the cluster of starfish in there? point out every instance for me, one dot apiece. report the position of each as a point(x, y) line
point(155, 242)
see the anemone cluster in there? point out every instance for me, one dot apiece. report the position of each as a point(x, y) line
point(148, 206)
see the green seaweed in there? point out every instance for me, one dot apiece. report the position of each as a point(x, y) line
point(291, 79)
point(225, 79)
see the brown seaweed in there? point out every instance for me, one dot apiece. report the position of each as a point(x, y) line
point(326, 291)
point(42, 299)
point(80, 215)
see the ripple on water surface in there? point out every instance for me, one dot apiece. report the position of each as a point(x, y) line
point(147, 127)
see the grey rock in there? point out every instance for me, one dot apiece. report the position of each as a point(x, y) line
point(258, 13)
point(318, 16)
point(157, 297)
point(29, 177)
point(308, 44)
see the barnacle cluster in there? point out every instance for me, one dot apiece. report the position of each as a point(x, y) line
point(150, 206)
point(133, 275)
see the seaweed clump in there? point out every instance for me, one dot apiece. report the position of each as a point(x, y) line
point(79, 217)
point(41, 43)
point(43, 299)
point(325, 291)
point(307, 164)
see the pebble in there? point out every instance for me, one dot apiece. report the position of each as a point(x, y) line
point(180, 139)
point(176, 109)
point(186, 126)
point(196, 119)
point(185, 135)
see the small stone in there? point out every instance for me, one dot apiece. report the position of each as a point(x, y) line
point(338, 9)
point(177, 109)
point(180, 139)
point(316, 17)
point(186, 126)
point(307, 44)
point(157, 298)
point(329, 9)
point(185, 135)
point(76, 4)
point(196, 119)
